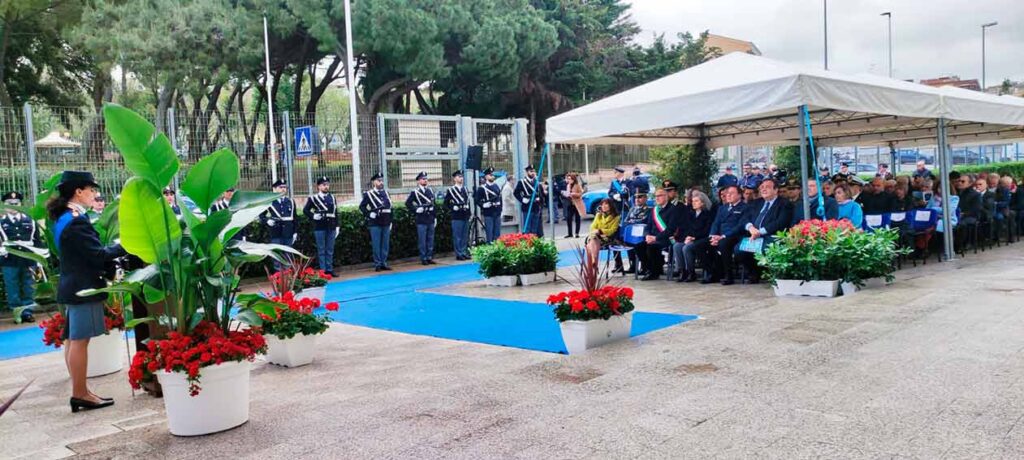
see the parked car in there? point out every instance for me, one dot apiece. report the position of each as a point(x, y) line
point(909, 157)
point(860, 168)
point(599, 192)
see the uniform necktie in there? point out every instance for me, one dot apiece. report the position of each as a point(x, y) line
point(764, 212)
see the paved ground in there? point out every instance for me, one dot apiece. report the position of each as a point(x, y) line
point(927, 368)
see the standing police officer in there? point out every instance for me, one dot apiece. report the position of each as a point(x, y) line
point(488, 198)
point(524, 192)
point(322, 210)
point(421, 201)
point(280, 218)
point(618, 190)
point(376, 208)
point(456, 199)
point(17, 227)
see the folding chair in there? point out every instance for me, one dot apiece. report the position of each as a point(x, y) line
point(922, 222)
point(631, 235)
point(874, 222)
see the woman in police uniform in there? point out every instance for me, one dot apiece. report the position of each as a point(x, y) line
point(83, 261)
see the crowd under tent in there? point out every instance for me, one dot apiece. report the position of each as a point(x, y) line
point(742, 99)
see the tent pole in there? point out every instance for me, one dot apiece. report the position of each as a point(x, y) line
point(803, 162)
point(947, 189)
point(551, 187)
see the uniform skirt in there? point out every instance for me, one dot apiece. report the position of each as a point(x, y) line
point(84, 321)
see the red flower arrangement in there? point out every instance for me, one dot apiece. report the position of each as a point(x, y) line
point(516, 239)
point(206, 346)
point(298, 318)
point(53, 327)
point(585, 305)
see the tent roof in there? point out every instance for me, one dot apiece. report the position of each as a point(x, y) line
point(741, 99)
point(55, 141)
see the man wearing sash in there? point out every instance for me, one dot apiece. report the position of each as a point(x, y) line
point(421, 202)
point(525, 194)
point(280, 218)
point(456, 199)
point(488, 198)
point(376, 208)
point(322, 210)
point(657, 236)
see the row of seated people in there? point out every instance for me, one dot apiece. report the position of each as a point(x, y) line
point(695, 230)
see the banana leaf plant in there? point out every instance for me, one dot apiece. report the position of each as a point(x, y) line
point(193, 270)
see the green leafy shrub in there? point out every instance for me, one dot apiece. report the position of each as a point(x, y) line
point(516, 254)
point(1009, 168)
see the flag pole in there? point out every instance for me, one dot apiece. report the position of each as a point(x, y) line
point(270, 102)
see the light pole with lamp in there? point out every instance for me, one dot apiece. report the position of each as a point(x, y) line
point(888, 15)
point(983, 27)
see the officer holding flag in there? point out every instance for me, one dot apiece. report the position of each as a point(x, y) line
point(525, 193)
point(421, 202)
point(322, 210)
point(376, 208)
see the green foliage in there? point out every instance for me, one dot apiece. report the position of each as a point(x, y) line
point(291, 323)
point(831, 250)
point(1009, 168)
point(36, 63)
point(686, 165)
point(788, 159)
point(193, 273)
point(516, 254)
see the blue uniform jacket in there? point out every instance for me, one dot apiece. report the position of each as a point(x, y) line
point(488, 199)
point(456, 199)
point(83, 259)
point(730, 220)
point(280, 218)
point(421, 203)
point(376, 207)
point(324, 206)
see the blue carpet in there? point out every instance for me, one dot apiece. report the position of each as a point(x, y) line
point(392, 302)
point(531, 326)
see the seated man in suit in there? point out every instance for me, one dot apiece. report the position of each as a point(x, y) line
point(726, 230)
point(764, 219)
point(660, 226)
point(831, 206)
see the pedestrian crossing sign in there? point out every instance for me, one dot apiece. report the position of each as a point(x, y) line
point(303, 141)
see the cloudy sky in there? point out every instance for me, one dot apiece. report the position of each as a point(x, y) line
point(931, 38)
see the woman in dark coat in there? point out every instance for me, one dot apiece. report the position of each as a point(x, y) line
point(696, 227)
point(83, 262)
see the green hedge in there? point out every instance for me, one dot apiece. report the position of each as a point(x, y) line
point(353, 244)
point(1010, 168)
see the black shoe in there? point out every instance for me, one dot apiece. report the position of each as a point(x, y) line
point(682, 278)
point(85, 404)
point(423, 262)
point(376, 269)
point(708, 280)
point(386, 268)
point(728, 282)
point(651, 277)
point(28, 318)
point(691, 277)
point(630, 270)
point(431, 262)
point(567, 236)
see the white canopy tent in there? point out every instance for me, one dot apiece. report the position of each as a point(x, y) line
point(55, 141)
point(741, 99)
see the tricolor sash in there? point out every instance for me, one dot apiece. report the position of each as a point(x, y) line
point(659, 223)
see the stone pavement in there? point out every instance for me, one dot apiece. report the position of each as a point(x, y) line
point(927, 368)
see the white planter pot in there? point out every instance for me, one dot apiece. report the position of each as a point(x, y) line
point(537, 278)
point(806, 288)
point(293, 352)
point(222, 403)
point(580, 336)
point(848, 288)
point(503, 281)
point(313, 293)
point(106, 353)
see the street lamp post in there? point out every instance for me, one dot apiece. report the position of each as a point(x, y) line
point(825, 19)
point(888, 15)
point(983, 27)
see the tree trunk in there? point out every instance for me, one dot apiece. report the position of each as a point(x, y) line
point(163, 102)
point(96, 134)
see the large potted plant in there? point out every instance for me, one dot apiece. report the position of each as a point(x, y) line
point(192, 274)
point(809, 258)
point(596, 312)
point(292, 331)
point(299, 277)
point(105, 351)
point(517, 258)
